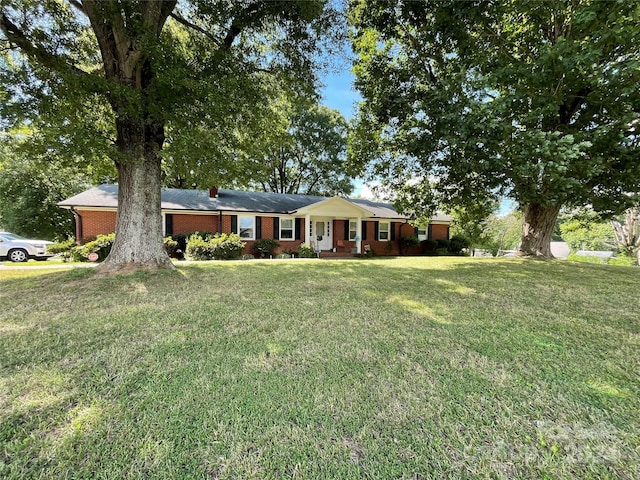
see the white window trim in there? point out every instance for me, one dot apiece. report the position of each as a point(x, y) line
point(422, 236)
point(293, 229)
point(354, 231)
point(253, 227)
point(380, 230)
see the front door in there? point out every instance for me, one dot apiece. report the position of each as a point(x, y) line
point(322, 234)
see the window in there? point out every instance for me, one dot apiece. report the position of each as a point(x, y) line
point(246, 228)
point(353, 230)
point(422, 233)
point(383, 231)
point(286, 229)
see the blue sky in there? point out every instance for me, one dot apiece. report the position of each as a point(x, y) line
point(339, 92)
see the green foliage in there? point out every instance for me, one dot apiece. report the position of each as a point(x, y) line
point(443, 244)
point(68, 250)
point(624, 261)
point(306, 251)
point(304, 151)
point(584, 230)
point(31, 185)
point(199, 76)
point(501, 232)
point(101, 245)
point(457, 243)
point(198, 248)
point(264, 247)
point(429, 245)
point(225, 246)
point(172, 247)
point(534, 101)
point(406, 242)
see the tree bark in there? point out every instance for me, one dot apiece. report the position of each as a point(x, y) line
point(537, 229)
point(138, 244)
point(628, 233)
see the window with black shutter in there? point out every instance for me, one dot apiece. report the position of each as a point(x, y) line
point(168, 224)
point(258, 228)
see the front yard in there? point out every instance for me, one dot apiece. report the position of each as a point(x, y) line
point(393, 368)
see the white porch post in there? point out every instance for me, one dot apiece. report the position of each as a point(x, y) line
point(307, 225)
point(359, 235)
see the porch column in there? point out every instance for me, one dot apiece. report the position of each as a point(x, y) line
point(307, 225)
point(359, 235)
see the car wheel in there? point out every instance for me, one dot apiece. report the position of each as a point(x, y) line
point(18, 255)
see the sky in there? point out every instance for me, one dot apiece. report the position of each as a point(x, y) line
point(339, 93)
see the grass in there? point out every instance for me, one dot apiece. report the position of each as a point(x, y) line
point(409, 368)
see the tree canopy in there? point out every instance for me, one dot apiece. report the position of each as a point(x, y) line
point(116, 77)
point(305, 152)
point(535, 101)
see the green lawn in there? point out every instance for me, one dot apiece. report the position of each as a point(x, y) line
point(409, 368)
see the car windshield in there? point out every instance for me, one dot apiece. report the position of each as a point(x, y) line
point(11, 236)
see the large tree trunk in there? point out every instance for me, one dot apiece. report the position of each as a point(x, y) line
point(537, 229)
point(138, 243)
point(122, 35)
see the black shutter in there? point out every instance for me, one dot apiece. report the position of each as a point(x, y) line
point(376, 230)
point(298, 228)
point(276, 228)
point(429, 233)
point(415, 231)
point(364, 230)
point(168, 224)
point(392, 226)
point(234, 224)
point(258, 228)
point(346, 229)
point(448, 233)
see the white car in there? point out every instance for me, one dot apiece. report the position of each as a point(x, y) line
point(19, 249)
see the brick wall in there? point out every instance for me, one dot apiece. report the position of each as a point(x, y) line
point(95, 223)
point(440, 232)
point(195, 223)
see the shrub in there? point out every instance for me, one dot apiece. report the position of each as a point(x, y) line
point(442, 243)
point(198, 248)
point(264, 247)
point(101, 245)
point(225, 246)
point(407, 242)
point(305, 251)
point(247, 256)
point(429, 246)
point(181, 239)
point(457, 244)
point(68, 250)
point(172, 248)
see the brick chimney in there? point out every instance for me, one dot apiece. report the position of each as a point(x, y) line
point(213, 192)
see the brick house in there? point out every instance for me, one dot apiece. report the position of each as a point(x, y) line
point(328, 224)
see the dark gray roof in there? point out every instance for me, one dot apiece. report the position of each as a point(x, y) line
point(227, 200)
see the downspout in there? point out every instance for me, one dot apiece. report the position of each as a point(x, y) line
point(78, 223)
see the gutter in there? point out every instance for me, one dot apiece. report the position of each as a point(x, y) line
point(78, 221)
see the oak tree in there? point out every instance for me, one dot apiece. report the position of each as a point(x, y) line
point(149, 65)
point(535, 101)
